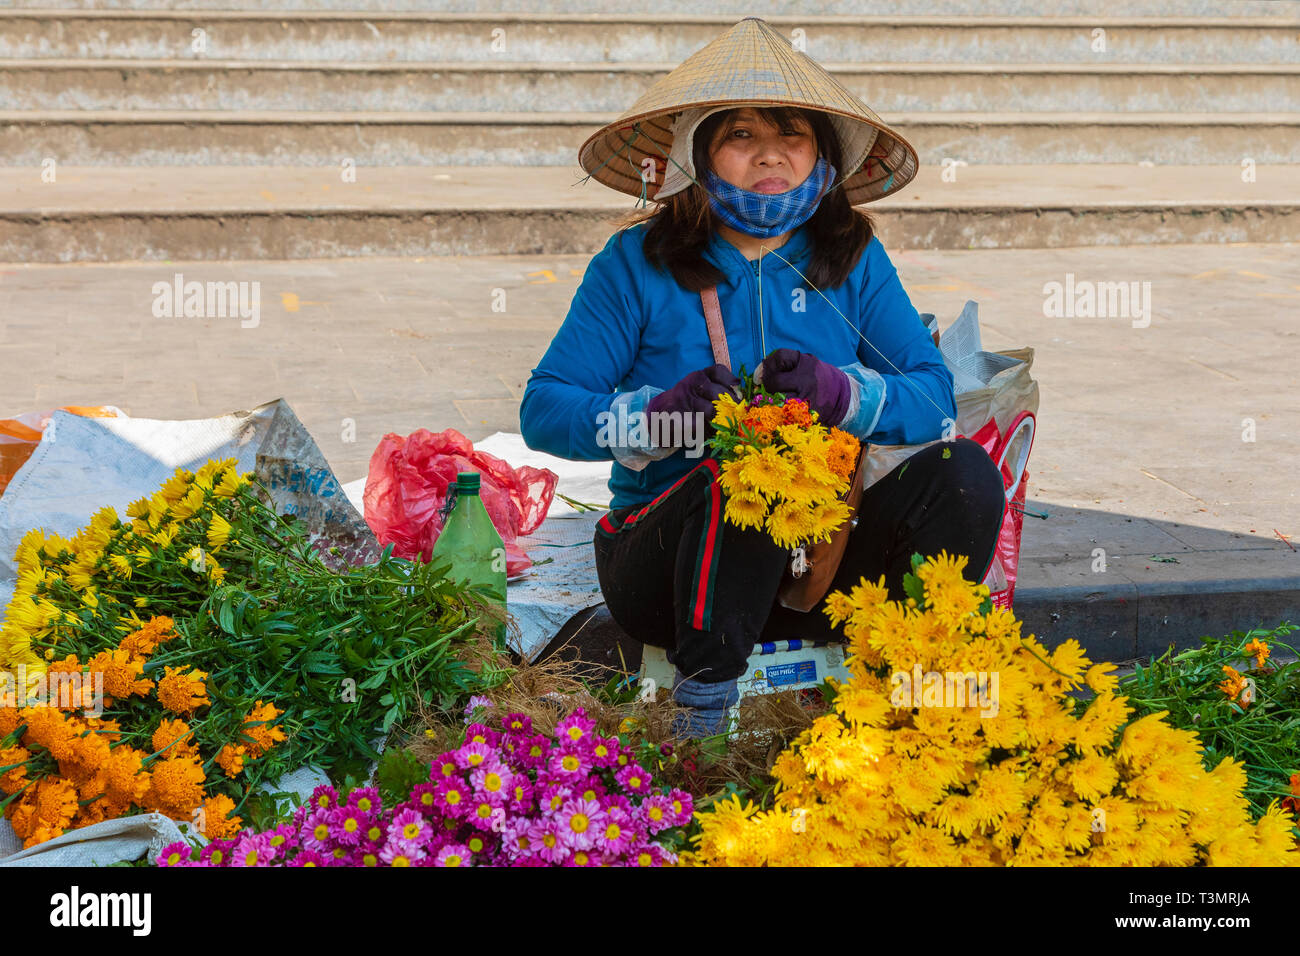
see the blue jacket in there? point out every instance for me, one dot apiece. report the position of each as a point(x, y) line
point(632, 332)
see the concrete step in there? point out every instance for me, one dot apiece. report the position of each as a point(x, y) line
point(358, 36)
point(49, 84)
point(671, 9)
point(212, 213)
point(201, 137)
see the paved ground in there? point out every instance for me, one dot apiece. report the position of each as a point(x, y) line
point(1172, 446)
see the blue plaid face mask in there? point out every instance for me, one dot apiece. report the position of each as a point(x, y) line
point(768, 214)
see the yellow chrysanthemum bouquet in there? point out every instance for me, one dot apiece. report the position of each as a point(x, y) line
point(781, 469)
point(957, 743)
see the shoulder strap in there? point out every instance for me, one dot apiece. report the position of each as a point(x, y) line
point(713, 319)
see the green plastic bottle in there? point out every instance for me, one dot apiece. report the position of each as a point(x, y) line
point(471, 544)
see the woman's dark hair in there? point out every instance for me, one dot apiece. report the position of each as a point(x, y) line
point(682, 225)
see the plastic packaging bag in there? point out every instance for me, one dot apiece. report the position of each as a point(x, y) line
point(1010, 452)
point(407, 485)
point(19, 436)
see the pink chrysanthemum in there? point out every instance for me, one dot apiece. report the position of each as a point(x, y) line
point(616, 834)
point(657, 812)
point(471, 755)
point(400, 853)
point(424, 798)
point(217, 853)
point(575, 730)
point(324, 797)
point(443, 766)
point(349, 826)
point(283, 839)
point(533, 752)
point(683, 807)
point(633, 779)
point(546, 841)
point(485, 813)
point(174, 854)
point(520, 794)
point(580, 822)
point(493, 781)
point(648, 854)
point(252, 849)
point(409, 827)
point(584, 858)
point(591, 788)
point(482, 734)
point(604, 751)
point(553, 796)
point(309, 858)
point(317, 832)
point(569, 764)
point(481, 845)
point(520, 724)
point(453, 798)
point(365, 799)
point(453, 854)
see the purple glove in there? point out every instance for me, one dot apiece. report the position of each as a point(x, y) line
point(696, 392)
point(800, 375)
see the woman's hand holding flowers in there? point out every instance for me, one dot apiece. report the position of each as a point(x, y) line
point(824, 387)
point(696, 393)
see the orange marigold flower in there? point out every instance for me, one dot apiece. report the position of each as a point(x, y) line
point(122, 673)
point(795, 412)
point(1233, 683)
point(9, 721)
point(69, 665)
point(1260, 650)
point(174, 737)
point(217, 822)
point(175, 786)
point(125, 780)
point(15, 778)
point(259, 727)
point(89, 752)
point(51, 729)
point(56, 802)
point(183, 693)
point(231, 759)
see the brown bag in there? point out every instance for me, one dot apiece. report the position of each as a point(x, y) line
point(813, 567)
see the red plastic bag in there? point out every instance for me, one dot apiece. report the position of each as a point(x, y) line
point(1001, 575)
point(407, 485)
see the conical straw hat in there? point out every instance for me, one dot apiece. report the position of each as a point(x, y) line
point(749, 65)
